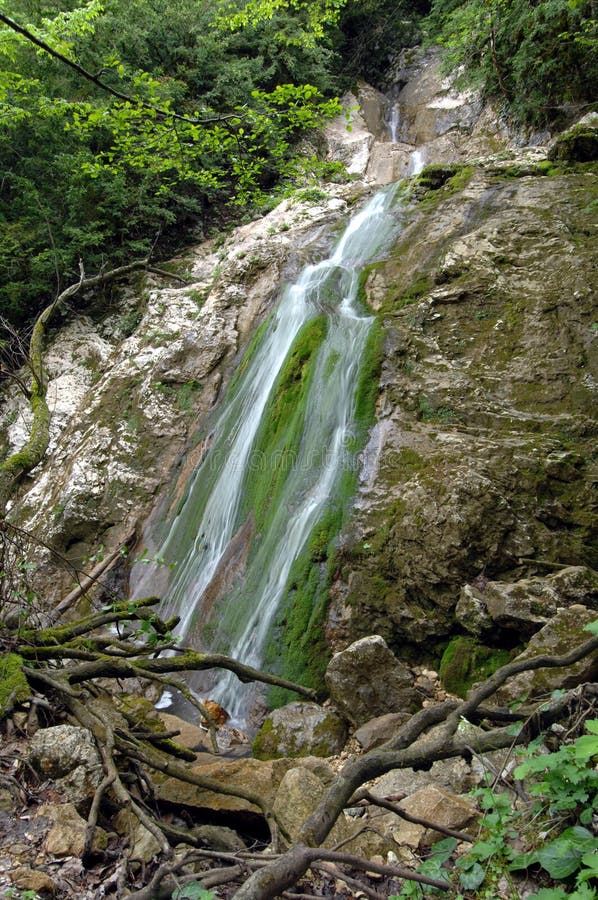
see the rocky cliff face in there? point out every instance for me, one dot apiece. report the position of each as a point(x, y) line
point(481, 457)
point(481, 462)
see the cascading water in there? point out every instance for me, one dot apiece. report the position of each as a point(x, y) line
point(417, 161)
point(320, 309)
point(393, 122)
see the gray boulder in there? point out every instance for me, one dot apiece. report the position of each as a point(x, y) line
point(526, 605)
point(366, 680)
point(562, 634)
point(67, 755)
point(298, 730)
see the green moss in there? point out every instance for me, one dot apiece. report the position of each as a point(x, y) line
point(429, 411)
point(261, 746)
point(297, 647)
point(253, 345)
point(282, 424)
point(451, 177)
point(368, 384)
point(14, 687)
point(465, 662)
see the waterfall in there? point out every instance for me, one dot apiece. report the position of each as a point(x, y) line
point(268, 497)
point(417, 161)
point(393, 122)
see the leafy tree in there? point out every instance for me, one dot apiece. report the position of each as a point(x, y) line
point(111, 133)
point(540, 57)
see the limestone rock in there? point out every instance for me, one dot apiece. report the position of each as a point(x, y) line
point(531, 602)
point(144, 846)
point(300, 729)
point(559, 636)
point(218, 837)
point(261, 778)
point(350, 147)
point(579, 143)
point(464, 474)
point(366, 680)
point(66, 836)
point(434, 804)
point(527, 604)
point(471, 611)
point(68, 755)
point(298, 795)
point(453, 774)
point(28, 879)
point(379, 730)
point(191, 736)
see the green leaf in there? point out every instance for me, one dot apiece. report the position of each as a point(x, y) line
point(562, 856)
point(192, 892)
point(472, 878)
point(586, 746)
point(592, 627)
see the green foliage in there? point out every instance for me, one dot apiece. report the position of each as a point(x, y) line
point(211, 122)
point(193, 891)
point(539, 57)
point(433, 867)
point(551, 835)
point(372, 32)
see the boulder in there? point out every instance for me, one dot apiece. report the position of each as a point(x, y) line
point(367, 680)
point(453, 774)
point(218, 837)
point(437, 805)
point(27, 879)
point(68, 755)
point(471, 611)
point(191, 736)
point(66, 836)
point(300, 729)
point(526, 605)
point(144, 846)
point(299, 794)
point(379, 730)
point(577, 144)
point(259, 777)
point(559, 636)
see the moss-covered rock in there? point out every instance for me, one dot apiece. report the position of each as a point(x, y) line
point(578, 144)
point(485, 448)
point(465, 662)
point(14, 687)
point(298, 730)
point(559, 636)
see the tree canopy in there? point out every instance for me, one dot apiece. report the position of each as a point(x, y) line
point(130, 125)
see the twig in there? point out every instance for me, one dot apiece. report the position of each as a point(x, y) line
point(403, 814)
point(352, 882)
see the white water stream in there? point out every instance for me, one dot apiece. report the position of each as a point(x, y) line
point(200, 535)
